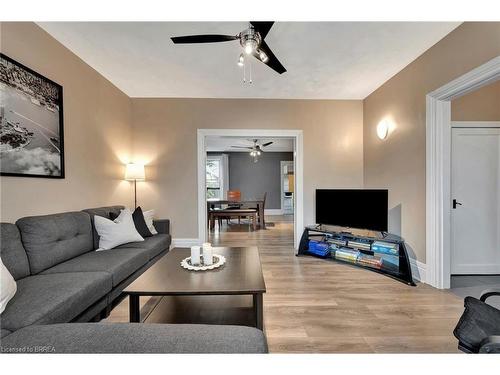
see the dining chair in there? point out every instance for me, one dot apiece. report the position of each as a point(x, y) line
point(262, 219)
point(233, 195)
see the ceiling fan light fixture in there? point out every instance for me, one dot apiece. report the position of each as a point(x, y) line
point(241, 60)
point(263, 57)
point(250, 46)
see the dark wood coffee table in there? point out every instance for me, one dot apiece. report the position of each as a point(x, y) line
point(241, 275)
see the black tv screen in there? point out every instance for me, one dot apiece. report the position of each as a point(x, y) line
point(353, 208)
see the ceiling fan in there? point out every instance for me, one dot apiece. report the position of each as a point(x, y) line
point(251, 39)
point(256, 149)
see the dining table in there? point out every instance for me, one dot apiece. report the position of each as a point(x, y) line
point(246, 202)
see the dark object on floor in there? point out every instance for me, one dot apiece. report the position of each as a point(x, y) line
point(478, 330)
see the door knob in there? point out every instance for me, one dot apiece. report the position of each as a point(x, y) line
point(455, 203)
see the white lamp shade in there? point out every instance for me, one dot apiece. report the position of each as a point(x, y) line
point(135, 172)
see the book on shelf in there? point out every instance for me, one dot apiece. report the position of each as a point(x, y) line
point(370, 260)
point(385, 248)
point(336, 241)
point(319, 248)
point(390, 262)
point(359, 245)
point(347, 254)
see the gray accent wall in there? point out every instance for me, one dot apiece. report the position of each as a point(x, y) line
point(254, 179)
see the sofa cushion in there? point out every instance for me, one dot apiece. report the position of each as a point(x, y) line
point(138, 338)
point(153, 245)
point(119, 263)
point(12, 251)
point(52, 239)
point(104, 212)
point(55, 298)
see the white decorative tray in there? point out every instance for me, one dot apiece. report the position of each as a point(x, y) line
point(218, 260)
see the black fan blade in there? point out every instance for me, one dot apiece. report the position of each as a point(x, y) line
point(272, 61)
point(207, 38)
point(267, 144)
point(262, 27)
point(249, 148)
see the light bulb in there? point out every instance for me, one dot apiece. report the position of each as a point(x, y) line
point(263, 57)
point(241, 60)
point(250, 46)
point(258, 153)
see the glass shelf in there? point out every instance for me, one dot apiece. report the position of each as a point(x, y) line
point(386, 255)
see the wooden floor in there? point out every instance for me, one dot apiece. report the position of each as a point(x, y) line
point(315, 306)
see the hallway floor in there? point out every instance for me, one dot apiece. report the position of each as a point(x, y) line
point(473, 285)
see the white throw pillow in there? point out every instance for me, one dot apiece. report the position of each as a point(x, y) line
point(8, 287)
point(148, 217)
point(118, 232)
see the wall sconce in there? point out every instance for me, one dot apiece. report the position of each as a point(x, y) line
point(383, 129)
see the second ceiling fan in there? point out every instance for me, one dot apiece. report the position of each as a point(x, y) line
point(255, 150)
point(251, 39)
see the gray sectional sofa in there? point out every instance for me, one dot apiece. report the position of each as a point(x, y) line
point(62, 283)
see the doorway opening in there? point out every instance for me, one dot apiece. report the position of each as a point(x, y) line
point(438, 168)
point(248, 182)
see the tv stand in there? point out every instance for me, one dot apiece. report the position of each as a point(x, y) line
point(377, 251)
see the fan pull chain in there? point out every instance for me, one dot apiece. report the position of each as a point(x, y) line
point(244, 72)
point(250, 63)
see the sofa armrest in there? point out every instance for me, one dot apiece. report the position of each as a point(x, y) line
point(162, 226)
point(488, 293)
point(491, 344)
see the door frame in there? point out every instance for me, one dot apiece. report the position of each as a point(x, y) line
point(438, 168)
point(296, 135)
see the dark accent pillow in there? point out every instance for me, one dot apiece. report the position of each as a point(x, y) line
point(113, 216)
point(140, 223)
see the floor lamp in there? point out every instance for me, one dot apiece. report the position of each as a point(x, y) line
point(135, 172)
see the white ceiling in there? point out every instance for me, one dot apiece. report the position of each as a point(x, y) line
point(325, 60)
point(223, 144)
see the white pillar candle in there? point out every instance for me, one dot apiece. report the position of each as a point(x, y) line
point(207, 254)
point(195, 255)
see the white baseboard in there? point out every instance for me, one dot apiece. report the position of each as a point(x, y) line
point(273, 211)
point(185, 242)
point(418, 270)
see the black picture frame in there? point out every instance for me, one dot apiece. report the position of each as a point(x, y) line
point(59, 89)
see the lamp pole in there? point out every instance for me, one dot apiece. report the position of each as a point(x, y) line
point(135, 193)
point(135, 172)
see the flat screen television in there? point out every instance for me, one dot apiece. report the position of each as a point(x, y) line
point(353, 208)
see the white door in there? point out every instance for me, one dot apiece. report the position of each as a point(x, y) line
point(475, 187)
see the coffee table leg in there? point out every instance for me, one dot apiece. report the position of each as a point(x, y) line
point(134, 309)
point(258, 305)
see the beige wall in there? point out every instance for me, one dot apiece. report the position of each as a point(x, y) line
point(97, 131)
point(480, 105)
point(398, 163)
point(165, 138)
